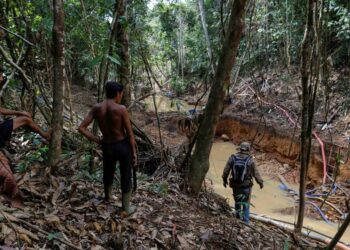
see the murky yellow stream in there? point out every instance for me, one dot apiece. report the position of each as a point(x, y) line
point(266, 201)
point(165, 104)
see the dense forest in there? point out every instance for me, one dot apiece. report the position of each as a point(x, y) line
point(196, 74)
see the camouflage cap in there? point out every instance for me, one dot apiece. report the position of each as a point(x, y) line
point(245, 146)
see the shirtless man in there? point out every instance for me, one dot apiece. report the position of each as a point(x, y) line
point(22, 119)
point(8, 183)
point(118, 142)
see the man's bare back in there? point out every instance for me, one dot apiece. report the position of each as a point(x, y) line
point(113, 120)
point(110, 117)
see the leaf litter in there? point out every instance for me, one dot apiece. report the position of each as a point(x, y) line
point(63, 212)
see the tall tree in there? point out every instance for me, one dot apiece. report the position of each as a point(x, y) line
point(199, 163)
point(307, 111)
point(123, 51)
point(205, 31)
point(58, 81)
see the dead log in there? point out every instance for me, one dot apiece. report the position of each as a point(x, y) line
point(307, 232)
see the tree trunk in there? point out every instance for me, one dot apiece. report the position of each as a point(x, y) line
point(58, 82)
point(205, 31)
point(199, 163)
point(340, 233)
point(306, 112)
point(123, 42)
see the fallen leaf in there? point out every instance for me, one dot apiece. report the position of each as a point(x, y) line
point(183, 242)
point(26, 232)
point(98, 227)
point(5, 230)
point(154, 234)
point(57, 193)
point(52, 219)
point(6, 248)
point(25, 238)
point(206, 235)
point(97, 247)
point(73, 230)
point(113, 227)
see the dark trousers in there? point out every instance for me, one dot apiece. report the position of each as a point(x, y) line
point(6, 128)
point(113, 152)
point(242, 202)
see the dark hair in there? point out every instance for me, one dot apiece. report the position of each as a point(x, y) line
point(112, 89)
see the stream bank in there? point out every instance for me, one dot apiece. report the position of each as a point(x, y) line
point(271, 201)
point(284, 146)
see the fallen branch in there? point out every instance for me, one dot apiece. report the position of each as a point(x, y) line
point(307, 232)
point(139, 99)
point(13, 227)
point(339, 234)
point(15, 65)
point(331, 118)
point(326, 202)
point(17, 220)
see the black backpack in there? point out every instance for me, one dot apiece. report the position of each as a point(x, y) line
point(239, 168)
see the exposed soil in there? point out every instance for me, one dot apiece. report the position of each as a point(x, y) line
point(163, 220)
point(266, 109)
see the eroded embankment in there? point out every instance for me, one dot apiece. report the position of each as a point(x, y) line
point(283, 145)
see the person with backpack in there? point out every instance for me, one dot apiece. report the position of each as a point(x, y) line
point(242, 168)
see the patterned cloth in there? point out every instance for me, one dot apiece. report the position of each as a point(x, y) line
point(8, 184)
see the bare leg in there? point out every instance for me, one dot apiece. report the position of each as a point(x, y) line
point(27, 121)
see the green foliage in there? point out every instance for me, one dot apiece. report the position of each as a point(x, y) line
point(52, 236)
point(286, 244)
point(114, 59)
point(84, 174)
point(340, 21)
point(159, 188)
point(84, 169)
point(38, 155)
point(178, 86)
point(154, 29)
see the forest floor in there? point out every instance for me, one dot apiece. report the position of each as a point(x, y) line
point(65, 210)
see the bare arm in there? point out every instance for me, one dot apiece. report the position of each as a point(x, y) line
point(84, 130)
point(227, 169)
point(130, 133)
point(256, 174)
point(4, 111)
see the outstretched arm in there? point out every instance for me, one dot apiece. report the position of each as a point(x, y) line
point(256, 175)
point(84, 130)
point(4, 111)
point(130, 133)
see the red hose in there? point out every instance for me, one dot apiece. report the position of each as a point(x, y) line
point(313, 132)
point(323, 157)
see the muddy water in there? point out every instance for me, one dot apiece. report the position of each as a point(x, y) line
point(165, 104)
point(268, 201)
